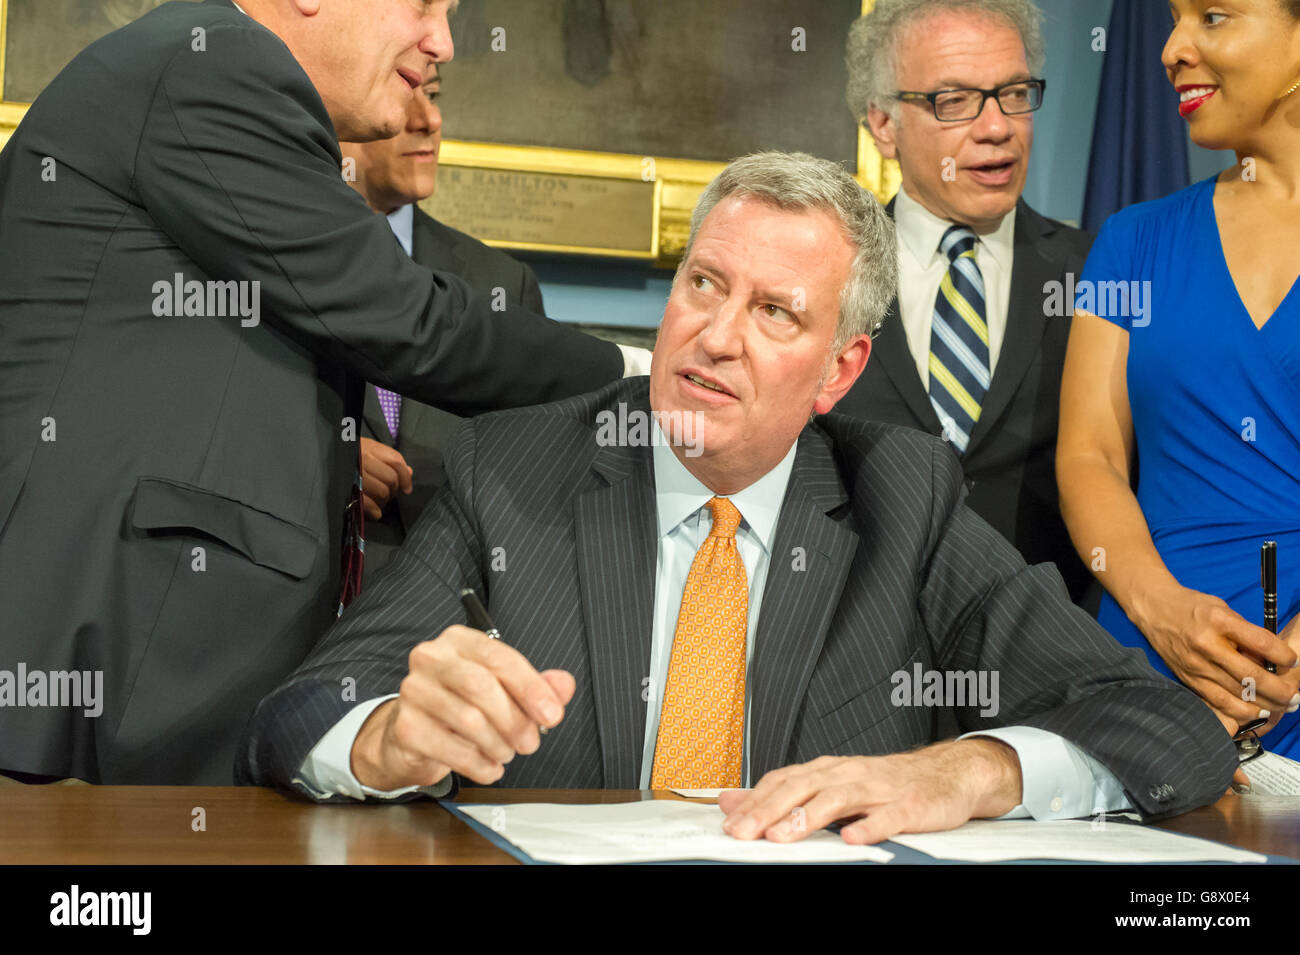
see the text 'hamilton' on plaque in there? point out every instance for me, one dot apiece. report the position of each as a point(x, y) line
point(561, 212)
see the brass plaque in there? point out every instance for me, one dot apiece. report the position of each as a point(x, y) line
point(553, 211)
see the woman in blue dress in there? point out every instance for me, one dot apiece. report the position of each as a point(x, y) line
point(1186, 376)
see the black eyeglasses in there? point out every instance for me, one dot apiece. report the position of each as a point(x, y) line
point(1247, 742)
point(955, 106)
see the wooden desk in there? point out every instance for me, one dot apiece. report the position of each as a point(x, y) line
point(89, 825)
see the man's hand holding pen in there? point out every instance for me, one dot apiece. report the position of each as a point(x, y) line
point(468, 705)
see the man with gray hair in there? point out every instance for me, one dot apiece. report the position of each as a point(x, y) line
point(191, 302)
point(968, 352)
point(696, 586)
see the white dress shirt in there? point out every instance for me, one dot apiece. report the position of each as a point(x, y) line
point(402, 222)
point(1059, 780)
point(684, 524)
point(921, 268)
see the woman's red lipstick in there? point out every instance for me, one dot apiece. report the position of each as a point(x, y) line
point(1192, 97)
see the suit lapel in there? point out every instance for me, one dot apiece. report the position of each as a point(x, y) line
point(1026, 320)
point(617, 540)
point(410, 425)
point(890, 351)
point(811, 556)
point(432, 249)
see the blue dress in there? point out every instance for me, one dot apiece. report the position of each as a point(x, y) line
point(1216, 412)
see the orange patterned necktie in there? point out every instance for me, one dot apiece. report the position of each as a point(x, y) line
point(702, 724)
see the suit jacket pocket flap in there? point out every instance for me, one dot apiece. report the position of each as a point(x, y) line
point(864, 709)
point(263, 538)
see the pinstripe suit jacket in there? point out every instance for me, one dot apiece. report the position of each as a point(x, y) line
point(877, 566)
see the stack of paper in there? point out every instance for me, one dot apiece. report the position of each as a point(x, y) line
point(663, 830)
point(1073, 840)
point(659, 830)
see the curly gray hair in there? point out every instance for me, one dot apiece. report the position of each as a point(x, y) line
point(872, 49)
point(799, 182)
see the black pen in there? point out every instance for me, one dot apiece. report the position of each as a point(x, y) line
point(479, 620)
point(1268, 580)
point(478, 615)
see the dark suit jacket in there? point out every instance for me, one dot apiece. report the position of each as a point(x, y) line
point(424, 432)
point(172, 489)
point(898, 572)
point(1010, 463)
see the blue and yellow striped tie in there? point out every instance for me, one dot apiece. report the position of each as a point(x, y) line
point(959, 340)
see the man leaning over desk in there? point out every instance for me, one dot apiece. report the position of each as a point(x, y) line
point(731, 600)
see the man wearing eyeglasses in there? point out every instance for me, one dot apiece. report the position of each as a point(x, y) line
point(949, 88)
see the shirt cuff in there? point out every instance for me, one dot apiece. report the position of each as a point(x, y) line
point(1058, 780)
point(636, 361)
point(327, 769)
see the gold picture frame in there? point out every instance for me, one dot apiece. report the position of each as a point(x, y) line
point(666, 197)
point(676, 186)
point(10, 113)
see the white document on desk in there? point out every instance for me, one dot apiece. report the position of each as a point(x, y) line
point(699, 793)
point(1074, 840)
point(654, 830)
point(1273, 775)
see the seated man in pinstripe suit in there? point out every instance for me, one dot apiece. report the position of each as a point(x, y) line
point(697, 586)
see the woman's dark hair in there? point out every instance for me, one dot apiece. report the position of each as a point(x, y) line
point(1292, 7)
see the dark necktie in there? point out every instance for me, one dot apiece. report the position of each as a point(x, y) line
point(959, 340)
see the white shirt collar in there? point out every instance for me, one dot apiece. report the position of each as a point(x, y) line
point(239, 8)
point(402, 222)
point(919, 232)
point(679, 494)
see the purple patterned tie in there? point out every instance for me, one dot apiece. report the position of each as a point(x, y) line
point(392, 405)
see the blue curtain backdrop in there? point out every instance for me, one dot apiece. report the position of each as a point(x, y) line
point(1139, 142)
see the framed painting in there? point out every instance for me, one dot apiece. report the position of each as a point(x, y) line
point(592, 126)
point(39, 37)
point(575, 126)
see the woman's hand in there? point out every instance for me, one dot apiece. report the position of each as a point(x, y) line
point(1289, 635)
point(1218, 654)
